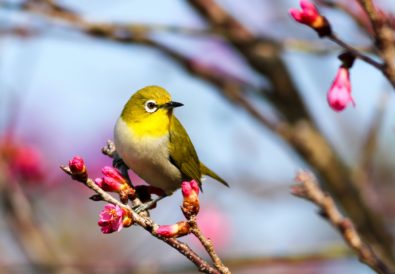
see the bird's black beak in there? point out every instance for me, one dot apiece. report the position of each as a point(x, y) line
point(171, 105)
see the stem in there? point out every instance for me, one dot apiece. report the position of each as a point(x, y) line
point(357, 53)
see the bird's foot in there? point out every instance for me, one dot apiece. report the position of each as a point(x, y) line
point(118, 163)
point(147, 205)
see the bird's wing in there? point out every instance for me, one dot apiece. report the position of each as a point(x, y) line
point(182, 152)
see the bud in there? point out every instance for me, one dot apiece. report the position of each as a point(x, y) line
point(173, 231)
point(339, 95)
point(190, 205)
point(113, 218)
point(310, 16)
point(112, 180)
point(78, 169)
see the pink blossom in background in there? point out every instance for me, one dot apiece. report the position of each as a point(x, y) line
point(110, 219)
point(24, 161)
point(339, 95)
point(215, 225)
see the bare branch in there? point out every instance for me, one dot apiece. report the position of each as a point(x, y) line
point(308, 188)
point(385, 38)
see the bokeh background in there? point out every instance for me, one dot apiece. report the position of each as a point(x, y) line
point(62, 90)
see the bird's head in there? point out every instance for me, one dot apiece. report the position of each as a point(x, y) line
point(151, 104)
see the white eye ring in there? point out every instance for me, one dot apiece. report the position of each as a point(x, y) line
point(150, 106)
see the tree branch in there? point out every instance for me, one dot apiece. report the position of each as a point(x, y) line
point(385, 38)
point(149, 225)
point(308, 189)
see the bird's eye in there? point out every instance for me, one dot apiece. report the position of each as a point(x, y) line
point(151, 106)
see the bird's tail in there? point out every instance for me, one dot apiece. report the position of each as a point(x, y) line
point(206, 171)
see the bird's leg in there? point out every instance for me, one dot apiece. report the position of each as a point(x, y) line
point(148, 205)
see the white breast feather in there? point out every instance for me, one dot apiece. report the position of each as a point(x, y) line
point(148, 157)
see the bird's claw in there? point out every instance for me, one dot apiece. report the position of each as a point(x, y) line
point(143, 207)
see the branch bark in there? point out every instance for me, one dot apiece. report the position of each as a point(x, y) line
point(308, 189)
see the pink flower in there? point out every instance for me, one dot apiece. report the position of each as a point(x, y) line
point(27, 163)
point(190, 189)
point(310, 16)
point(78, 169)
point(190, 205)
point(339, 95)
point(112, 180)
point(77, 165)
point(175, 230)
point(113, 218)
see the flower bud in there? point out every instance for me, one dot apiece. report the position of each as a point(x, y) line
point(190, 205)
point(339, 95)
point(310, 16)
point(78, 169)
point(112, 180)
point(173, 231)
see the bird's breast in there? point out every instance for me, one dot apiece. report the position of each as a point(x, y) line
point(147, 156)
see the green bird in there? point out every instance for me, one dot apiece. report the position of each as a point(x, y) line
point(154, 144)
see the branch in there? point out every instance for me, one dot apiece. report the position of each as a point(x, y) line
point(208, 246)
point(358, 54)
point(384, 36)
point(263, 54)
point(149, 225)
point(307, 188)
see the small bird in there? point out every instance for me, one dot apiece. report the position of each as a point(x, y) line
point(153, 143)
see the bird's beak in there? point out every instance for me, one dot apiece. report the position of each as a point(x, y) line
point(171, 105)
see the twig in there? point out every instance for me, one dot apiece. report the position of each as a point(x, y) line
point(384, 36)
point(308, 189)
point(358, 54)
point(208, 246)
point(346, 8)
point(149, 225)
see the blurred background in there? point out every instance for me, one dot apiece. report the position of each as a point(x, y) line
point(68, 67)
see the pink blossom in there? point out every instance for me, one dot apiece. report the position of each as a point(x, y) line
point(310, 16)
point(339, 95)
point(190, 205)
point(27, 163)
point(77, 165)
point(112, 180)
point(175, 230)
point(111, 219)
point(190, 188)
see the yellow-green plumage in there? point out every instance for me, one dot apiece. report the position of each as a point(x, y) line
point(154, 144)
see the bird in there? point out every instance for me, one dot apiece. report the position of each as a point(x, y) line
point(152, 142)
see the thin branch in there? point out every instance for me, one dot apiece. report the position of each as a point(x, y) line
point(358, 54)
point(308, 189)
point(384, 36)
point(346, 8)
point(208, 246)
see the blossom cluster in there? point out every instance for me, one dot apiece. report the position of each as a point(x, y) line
point(114, 217)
